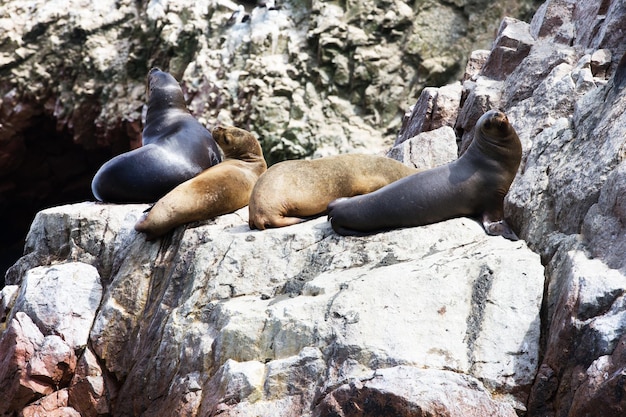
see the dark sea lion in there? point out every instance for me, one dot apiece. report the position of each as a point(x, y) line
point(176, 147)
point(292, 191)
point(221, 189)
point(473, 185)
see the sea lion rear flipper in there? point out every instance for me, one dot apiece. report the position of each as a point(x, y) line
point(498, 228)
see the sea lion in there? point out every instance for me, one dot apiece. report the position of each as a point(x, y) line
point(176, 147)
point(292, 191)
point(221, 189)
point(473, 185)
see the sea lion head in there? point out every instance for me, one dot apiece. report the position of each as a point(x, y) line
point(497, 137)
point(163, 90)
point(237, 143)
point(494, 123)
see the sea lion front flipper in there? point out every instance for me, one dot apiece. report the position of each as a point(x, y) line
point(286, 221)
point(498, 228)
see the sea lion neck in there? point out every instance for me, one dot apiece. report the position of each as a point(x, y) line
point(170, 97)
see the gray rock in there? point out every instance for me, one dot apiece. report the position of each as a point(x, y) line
point(316, 301)
point(512, 44)
point(566, 199)
point(376, 56)
point(298, 321)
point(435, 108)
point(429, 390)
point(428, 149)
point(61, 300)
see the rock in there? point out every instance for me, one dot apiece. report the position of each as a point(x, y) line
point(435, 108)
point(91, 391)
point(272, 74)
point(61, 300)
point(566, 200)
point(19, 343)
point(513, 43)
point(478, 96)
point(428, 149)
point(270, 340)
point(604, 227)
point(53, 362)
point(587, 327)
point(533, 71)
point(554, 21)
point(53, 405)
point(405, 391)
point(604, 380)
point(47, 324)
point(600, 61)
point(218, 319)
point(475, 64)
point(8, 294)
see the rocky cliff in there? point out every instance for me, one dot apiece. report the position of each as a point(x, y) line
point(307, 76)
point(430, 321)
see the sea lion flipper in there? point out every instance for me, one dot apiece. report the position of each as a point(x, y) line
point(499, 228)
point(344, 231)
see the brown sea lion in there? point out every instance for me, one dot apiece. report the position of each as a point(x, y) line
point(221, 189)
point(175, 147)
point(292, 191)
point(473, 185)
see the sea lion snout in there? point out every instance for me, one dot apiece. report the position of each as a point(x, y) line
point(495, 120)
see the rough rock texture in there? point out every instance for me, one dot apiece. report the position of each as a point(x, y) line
point(568, 199)
point(428, 149)
point(313, 77)
point(221, 319)
point(47, 327)
point(430, 321)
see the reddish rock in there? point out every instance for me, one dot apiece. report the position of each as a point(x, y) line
point(31, 365)
point(53, 405)
point(53, 362)
point(435, 108)
point(511, 46)
point(18, 345)
point(603, 392)
point(88, 392)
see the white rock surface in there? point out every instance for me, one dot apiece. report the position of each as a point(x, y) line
point(61, 300)
point(298, 306)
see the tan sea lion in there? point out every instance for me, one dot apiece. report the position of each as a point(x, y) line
point(175, 147)
point(218, 190)
point(473, 185)
point(292, 191)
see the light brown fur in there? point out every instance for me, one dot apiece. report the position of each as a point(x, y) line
point(292, 191)
point(218, 190)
